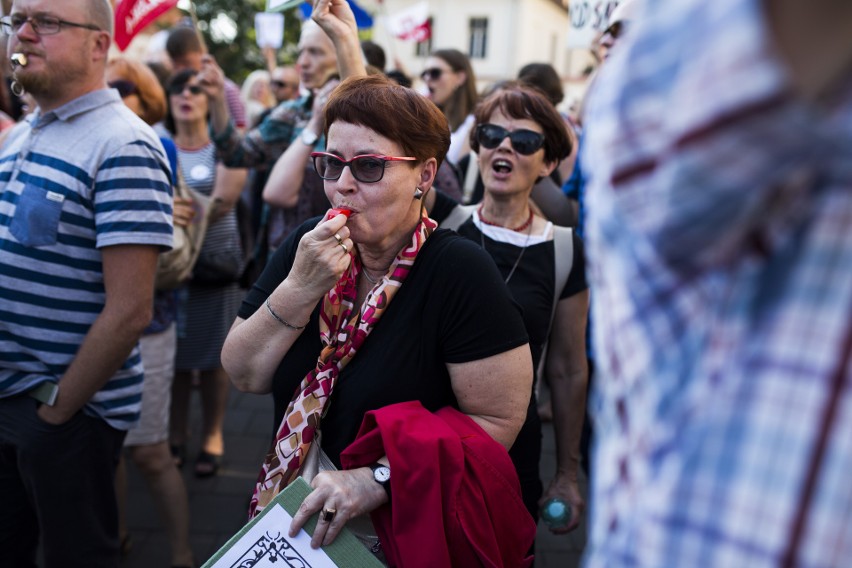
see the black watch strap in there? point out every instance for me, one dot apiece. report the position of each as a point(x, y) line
point(381, 475)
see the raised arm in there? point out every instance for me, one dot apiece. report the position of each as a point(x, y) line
point(212, 79)
point(335, 17)
point(258, 147)
point(255, 346)
point(285, 180)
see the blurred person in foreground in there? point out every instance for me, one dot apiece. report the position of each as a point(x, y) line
point(720, 239)
point(148, 443)
point(86, 210)
point(382, 319)
point(619, 25)
point(519, 138)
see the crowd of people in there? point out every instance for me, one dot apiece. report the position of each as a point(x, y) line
point(405, 263)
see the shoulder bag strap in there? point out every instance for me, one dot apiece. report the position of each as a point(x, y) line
point(457, 216)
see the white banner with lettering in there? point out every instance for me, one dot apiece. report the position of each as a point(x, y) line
point(588, 18)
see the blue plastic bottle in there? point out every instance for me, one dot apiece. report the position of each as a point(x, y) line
point(556, 513)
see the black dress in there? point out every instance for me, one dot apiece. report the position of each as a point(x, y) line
point(531, 287)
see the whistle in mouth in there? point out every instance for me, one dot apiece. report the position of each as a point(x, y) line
point(18, 60)
point(338, 211)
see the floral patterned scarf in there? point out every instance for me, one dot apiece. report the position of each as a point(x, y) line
point(342, 332)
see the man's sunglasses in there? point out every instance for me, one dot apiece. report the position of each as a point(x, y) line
point(125, 88)
point(523, 141)
point(432, 74)
point(367, 168)
point(179, 89)
point(276, 84)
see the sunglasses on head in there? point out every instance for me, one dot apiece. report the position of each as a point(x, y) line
point(125, 88)
point(179, 89)
point(432, 74)
point(367, 168)
point(523, 141)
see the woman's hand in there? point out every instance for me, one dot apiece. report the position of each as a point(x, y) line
point(320, 98)
point(335, 17)
point(566, 488)
point(211, 78)
point(348, 493)
point(183, 212)
point(322, 256)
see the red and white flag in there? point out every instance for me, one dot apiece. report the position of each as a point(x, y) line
point(411, 23)
point(132, 16)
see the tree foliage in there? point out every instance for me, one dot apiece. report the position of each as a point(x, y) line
point(242, 55)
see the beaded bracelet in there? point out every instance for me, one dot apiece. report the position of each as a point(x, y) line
point(280, 319)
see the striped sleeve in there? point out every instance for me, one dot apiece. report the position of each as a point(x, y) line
point(133, 197)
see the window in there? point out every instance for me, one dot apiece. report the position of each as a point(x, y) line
point(478, 38)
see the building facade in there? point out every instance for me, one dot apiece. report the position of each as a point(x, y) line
point(500, 36)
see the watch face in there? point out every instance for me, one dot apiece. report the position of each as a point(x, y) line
point(381, 474)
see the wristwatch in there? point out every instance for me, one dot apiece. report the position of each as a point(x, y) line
point(308, 137)
point(381, 475)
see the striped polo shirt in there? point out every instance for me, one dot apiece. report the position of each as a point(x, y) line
point(87, 175)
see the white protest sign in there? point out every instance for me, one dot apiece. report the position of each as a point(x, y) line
point(587, 19)
point(270, 29)
point(281, 5)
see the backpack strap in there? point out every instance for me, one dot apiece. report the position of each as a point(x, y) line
point(563, 250)
point(470, 176)
point(563, 253)
point(457, 216)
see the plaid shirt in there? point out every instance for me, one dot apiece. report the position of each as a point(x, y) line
point(720, 244)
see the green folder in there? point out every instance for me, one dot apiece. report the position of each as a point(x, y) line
point(346, 551)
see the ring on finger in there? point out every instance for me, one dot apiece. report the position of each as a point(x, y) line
point(338, 238)
point(345, 248)
point(328, 514)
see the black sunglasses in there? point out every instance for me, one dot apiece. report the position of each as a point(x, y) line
point(125, 88)
point(276, 84)
point(523, 141)
point(432, 74)
point(180, 88)
point(368, 168)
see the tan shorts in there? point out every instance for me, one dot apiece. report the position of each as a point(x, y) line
point(158, 359)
